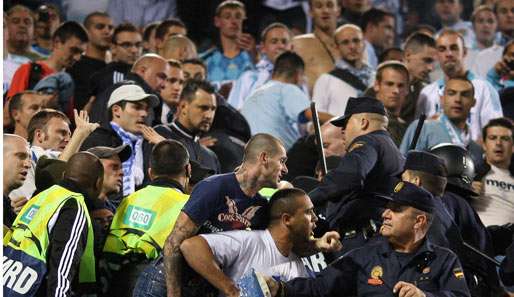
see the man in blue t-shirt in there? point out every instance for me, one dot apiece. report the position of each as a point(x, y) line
point(225, 202)
point(234, 51)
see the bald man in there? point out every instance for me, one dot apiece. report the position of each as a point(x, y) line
point(178, 47)
point(148, 72)
point(318, 49)
point(58, 256)
point(16, 166)
point(226, 202)
point(350, 77)
point(303, 156)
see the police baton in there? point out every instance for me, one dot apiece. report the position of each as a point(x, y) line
point(415, 139)
point(319, 139)
point(481, 254)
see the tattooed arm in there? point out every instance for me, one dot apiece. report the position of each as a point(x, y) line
point(173, 259)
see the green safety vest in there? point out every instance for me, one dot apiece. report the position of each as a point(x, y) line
point(27, 245)
point(144, 220)
point(267, 192)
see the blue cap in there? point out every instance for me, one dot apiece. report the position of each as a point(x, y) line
point(359, 105)
point(425, 162)
point(409, 194)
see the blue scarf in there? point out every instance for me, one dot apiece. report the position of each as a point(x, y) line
point(132, 174)
point(365, 74)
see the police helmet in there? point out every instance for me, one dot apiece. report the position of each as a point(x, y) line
point(460, 165)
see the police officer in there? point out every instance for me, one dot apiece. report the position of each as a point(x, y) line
point(429, 171)
point(145, 218)
point(402, 261)
point(52, 244)
point(371, 165)
point(481, 274)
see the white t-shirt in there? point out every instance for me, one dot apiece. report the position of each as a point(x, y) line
point(239, 251)
point(331, 94)
point(496, 205)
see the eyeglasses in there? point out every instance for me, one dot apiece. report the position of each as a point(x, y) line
point(128, 45)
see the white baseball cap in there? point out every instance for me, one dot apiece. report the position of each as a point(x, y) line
point(131, 93)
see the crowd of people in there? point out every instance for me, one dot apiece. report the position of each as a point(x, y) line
point(168, 147)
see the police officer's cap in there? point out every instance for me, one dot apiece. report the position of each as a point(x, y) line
point(359, 105)
point(409, 194)
point(425, 162)
point(104, 152)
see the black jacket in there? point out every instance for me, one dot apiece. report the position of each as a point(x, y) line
point(197, 152)
point(111, 74)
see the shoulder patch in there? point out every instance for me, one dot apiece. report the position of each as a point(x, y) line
point(459, 274)
point(356, 145)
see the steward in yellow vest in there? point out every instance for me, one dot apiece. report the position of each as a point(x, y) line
point(51, 249)
point(145, 218)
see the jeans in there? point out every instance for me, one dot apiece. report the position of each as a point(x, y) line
point(151, 282)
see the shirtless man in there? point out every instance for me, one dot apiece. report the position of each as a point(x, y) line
point(318, 49)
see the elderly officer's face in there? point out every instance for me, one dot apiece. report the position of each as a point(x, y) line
point(398, 224)
point(352, 130)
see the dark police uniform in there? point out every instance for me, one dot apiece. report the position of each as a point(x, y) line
point(481, 275)
point(371, 166)
point(375, 268)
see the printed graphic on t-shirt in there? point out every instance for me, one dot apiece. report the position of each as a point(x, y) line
point(500, 185)
point(236, 220)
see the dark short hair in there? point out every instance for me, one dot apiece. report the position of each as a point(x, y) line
point(498, 122)
point(20, 7)
point(417, 41)
point(193, 85)
point(430, 182)
point(231, 4)
point(162, 28)
point(41, 119)
point(123, 27)
point(461, 78)
point(16, 101)
point(147, 32)
point(195, 61)
point(387, 52)
point(284, 201)
point(288, 64)
point(169, 158)
point(374, 17)
point(395, 65)
point(68, 30)
point(88, 20)
point(272, 26)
